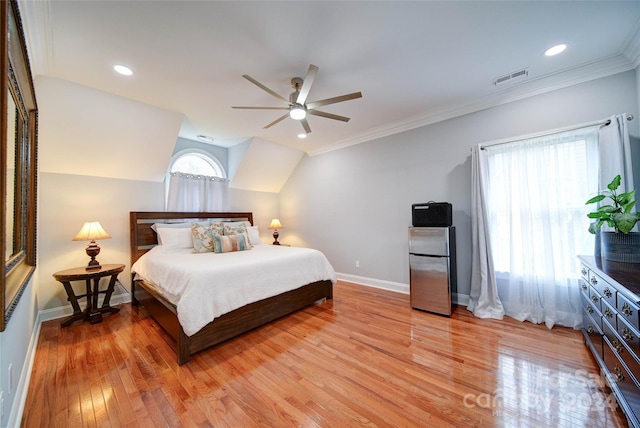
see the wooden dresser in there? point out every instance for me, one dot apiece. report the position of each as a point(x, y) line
point(610, 294)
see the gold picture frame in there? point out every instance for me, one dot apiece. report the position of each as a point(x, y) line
point(18, 157)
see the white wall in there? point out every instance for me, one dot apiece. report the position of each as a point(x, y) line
point(355, 203)
point(16, 351)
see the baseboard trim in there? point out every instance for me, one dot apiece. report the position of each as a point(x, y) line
point(459, 299)
point(65, 311)
point(17, 409)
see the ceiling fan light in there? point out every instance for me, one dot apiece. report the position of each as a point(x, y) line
point(297, 112)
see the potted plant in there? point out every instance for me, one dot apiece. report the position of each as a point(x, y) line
point(622, 244)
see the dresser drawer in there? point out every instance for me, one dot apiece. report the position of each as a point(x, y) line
point(620, 379)
point(591, 310)
point(629, 335)
point(609, 314)
point(592, 331)
point(604, 289)
point(584, 272)
point(595, 298)
point(624, 353)
point(628, 310)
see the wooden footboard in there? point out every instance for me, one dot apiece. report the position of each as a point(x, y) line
point(226, 326)
point(230, 324)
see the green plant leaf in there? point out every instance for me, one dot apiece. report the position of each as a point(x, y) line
point(629, 206)
point(595, 199)
point(609, 209)
point(624, 222)
point(615, 183)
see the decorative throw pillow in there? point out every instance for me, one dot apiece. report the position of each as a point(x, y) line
point(202, 237)
point(218, 227)
point(234, 229)
point(228, 243)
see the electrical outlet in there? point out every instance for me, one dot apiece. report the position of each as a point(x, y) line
point(357, 263)
point(10, 378)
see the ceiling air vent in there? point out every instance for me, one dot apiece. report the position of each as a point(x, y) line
point(511, 77)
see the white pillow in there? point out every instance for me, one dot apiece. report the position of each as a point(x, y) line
point(254, 235)
point(174, 238)
point(156, 226)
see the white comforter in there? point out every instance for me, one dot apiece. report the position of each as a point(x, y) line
point(206, 285)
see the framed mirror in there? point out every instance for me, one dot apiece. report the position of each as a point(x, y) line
point(18, 125)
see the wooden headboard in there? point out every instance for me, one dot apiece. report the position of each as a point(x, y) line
point(143, 238)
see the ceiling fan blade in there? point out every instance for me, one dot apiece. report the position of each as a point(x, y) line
point(281, 118)
point(328, 115)
point(261, 108)
point(334, 100)
point(306, 84)
point(306, 126)
point(264, 88)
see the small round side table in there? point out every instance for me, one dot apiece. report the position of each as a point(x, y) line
point(91, 313)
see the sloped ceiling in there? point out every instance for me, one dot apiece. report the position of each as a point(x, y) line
point(416, 62)
point(261, 165)
point(84, 131)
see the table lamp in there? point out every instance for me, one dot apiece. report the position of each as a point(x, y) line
point(91, 231)
point(275, 224)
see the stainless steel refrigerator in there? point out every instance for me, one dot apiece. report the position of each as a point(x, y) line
point(432, 268)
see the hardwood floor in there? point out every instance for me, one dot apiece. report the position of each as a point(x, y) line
point(363, 359)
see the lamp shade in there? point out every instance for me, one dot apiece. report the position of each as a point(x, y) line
point(275, 224)
point(91, 231)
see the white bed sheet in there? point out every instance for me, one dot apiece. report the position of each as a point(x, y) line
point(206, 285)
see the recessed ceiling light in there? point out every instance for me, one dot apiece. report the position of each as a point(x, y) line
point(121, 69)
point(555, 50)
point(301, 136)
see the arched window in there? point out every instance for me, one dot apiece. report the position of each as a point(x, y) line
point(196, 182)
point(195, 162)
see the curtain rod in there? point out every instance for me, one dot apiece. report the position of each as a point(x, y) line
point(575, 128)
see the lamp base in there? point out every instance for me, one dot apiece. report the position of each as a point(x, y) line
point(93, 250)
point(275, 237)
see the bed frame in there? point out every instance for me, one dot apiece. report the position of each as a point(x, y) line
point(229, 325)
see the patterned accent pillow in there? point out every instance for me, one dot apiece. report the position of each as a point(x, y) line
point(228, 243)
point(218, 228)
point(234, 229)
point(202, 237)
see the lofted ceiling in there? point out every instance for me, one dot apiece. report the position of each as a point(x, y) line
point(415, 62)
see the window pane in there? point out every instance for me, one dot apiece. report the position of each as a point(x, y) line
point(196, 165)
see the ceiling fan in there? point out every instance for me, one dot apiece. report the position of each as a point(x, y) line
point(297, 105)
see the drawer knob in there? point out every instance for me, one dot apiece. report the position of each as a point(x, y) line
point(594, 298)
point(618, 345)
point(594, 281)
point(590, 329)
point(608, 293)
point(626, 309)
point(583, 271)
point(608, 313)
point(589, 309)
point(584, 286)
point(619, 375)
point(627, 334)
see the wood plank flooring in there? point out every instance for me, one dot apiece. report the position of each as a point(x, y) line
point(364, 358)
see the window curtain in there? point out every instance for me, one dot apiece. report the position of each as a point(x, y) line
point(529, 223)
point(614, 153)
point(196, 193)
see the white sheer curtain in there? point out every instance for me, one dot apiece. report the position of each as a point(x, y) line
point(197, 193)
point(531, 202)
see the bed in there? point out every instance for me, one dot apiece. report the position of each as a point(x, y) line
point(160, 304)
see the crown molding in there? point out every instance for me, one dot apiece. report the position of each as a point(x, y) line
point(515, 92)
point(36, 18)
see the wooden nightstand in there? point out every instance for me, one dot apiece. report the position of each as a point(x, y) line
point(91, 313)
